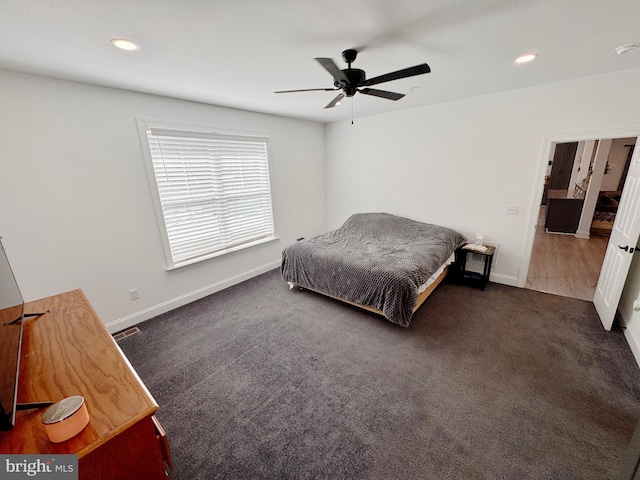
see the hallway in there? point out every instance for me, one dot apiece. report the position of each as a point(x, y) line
point(565, 265)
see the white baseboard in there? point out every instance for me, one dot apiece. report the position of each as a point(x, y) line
point(631, 335)
point(634, 344)
point(148, 313)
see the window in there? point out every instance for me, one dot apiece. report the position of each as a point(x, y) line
point(213, 191)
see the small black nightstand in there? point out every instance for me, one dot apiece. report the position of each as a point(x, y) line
point(468, 276)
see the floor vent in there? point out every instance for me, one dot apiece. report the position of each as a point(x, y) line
point(125, 333)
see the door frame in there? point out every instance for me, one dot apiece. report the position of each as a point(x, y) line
point(548, 148)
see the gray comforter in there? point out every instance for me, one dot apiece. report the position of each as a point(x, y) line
point(374, 259)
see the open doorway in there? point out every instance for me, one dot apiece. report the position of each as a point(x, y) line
point(583, 184)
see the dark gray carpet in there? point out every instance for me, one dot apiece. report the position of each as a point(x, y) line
point(258, 381)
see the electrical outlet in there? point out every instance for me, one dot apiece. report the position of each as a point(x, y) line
point(133, 293)
point(512, 209)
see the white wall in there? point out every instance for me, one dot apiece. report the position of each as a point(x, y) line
point(76, 210)
point(577, 161)
point(617, 160)
point(593, 189)
point(461, 163)
point(629, 317)
point(75, 204)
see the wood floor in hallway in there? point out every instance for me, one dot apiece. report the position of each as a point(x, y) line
point(565, 265)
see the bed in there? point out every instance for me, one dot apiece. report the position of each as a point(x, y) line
point(378, 261)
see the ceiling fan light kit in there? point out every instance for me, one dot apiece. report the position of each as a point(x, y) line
point(353, 80)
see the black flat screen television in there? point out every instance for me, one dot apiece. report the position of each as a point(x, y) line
point(11, 321)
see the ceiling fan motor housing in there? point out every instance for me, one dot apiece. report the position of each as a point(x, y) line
point(355, 77)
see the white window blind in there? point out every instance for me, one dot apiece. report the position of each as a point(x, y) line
point(214, 192)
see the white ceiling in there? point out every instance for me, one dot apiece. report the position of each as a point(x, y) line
point(237, 53)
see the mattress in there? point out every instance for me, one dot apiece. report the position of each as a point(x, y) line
point(378, 260)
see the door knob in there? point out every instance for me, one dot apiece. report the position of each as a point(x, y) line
point(626, 248)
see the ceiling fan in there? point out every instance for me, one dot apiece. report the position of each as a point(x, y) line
point(352, 80)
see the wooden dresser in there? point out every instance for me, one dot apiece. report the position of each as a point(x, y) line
point(68, 351)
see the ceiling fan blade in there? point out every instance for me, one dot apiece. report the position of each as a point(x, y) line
point(308, 90)
point(382, 93)
point(331, 67)
point(335, 101)
point(404, 73)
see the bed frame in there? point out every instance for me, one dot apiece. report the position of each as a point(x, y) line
point(419, 301)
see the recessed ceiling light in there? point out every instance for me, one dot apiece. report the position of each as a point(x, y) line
point(526, 58)
point(626, 48)
point(124, 44)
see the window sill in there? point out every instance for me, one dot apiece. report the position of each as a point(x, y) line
point(220, 253)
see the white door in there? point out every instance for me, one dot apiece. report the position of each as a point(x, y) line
point(621, 247)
